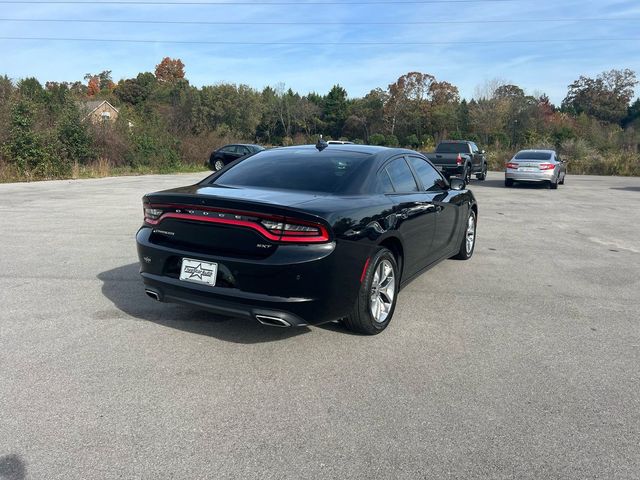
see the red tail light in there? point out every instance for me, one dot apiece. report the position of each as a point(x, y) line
point(546, 166)
point(512, 165)
point(277, 229)
point(291, 230)
point(459, 160)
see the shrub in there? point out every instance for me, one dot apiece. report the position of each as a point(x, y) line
point(376, 139)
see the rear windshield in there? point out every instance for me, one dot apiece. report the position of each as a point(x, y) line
point(452, 148)
point(302, 170)
point(533, 156)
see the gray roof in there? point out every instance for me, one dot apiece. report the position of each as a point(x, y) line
point(90, 105)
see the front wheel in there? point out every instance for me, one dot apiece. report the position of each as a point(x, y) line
point(218, 165)
point(377, 297)
point(468, 243)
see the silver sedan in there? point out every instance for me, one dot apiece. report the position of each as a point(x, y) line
point(535, 166)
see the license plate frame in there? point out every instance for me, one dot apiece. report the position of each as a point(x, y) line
point(198, 271)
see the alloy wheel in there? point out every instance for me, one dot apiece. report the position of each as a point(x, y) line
point(383, 292)
point(470, 233)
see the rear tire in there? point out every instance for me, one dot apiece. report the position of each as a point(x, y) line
point(218, 165)
point(483, 174)
point(377, 297)
point(467, 175)
point(468, 242)
point(553, 185)
point(508, 182)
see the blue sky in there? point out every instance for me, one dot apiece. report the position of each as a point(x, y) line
point(536, 67)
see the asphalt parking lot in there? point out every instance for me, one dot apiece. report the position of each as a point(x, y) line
point(523, 362)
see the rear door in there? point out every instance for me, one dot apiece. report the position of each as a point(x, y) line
point(436, 188)
point(476, 156)
point(414, 212)
point(234, 153)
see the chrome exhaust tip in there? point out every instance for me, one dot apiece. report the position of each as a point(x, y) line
point(272, 321)
point(152, 294)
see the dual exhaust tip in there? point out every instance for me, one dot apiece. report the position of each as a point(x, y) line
point(263, 319)
point(153, 294)
point(272, 321)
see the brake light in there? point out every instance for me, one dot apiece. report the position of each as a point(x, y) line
point(512, 165)
point(546, 166)
point(152, 214)
point(459, 160)
point(277, 229)
point(293, 232)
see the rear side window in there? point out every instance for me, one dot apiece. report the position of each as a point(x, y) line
point(383, 182)
point(301, 170)
point(427, 174)
point(401, 176)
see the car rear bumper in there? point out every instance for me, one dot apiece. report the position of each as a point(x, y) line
point(287, 310)
point(315, 288)
point(544, 176)
point(451, 170)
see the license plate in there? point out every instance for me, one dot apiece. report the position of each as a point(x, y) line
point(439, 168)
point(527, 169)
point(197, 271)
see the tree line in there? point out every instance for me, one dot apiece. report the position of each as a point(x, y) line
point(165, 124)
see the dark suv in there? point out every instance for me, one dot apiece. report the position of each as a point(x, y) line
point(229, 153)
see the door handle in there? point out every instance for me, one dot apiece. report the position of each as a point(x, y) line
point(423, 207)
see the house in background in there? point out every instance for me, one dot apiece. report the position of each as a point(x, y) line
point(99, 111)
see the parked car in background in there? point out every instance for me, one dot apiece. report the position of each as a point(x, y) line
point(460, 158)
point(305, 235)
point(229, 153)
point(535, 166)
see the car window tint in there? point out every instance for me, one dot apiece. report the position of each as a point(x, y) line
point(426, 173)
point(383, 182)
point(401, 176)
point(530, 155)
point(452, 148)
point(292, 169)
point(226, 149)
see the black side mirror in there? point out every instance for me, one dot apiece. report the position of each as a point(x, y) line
point(456, 184)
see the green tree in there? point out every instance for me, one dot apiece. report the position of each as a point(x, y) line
point(335, 110)
point(24, 148)
point(605, 97)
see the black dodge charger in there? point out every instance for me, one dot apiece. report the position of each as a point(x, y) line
point(305, 235)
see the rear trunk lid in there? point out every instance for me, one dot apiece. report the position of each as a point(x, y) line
point(234, 222)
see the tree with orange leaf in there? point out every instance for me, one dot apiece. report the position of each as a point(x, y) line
point(94, 86)
point(170, 70)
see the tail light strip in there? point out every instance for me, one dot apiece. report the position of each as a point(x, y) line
point(316, 233)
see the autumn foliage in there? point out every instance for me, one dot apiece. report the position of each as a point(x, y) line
point(170, 70)
point(165, 124)
point(93, 88)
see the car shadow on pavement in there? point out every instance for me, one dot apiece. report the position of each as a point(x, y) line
point(12, 467)
point(123, 287)
point(627, 189)
point(499, 183)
